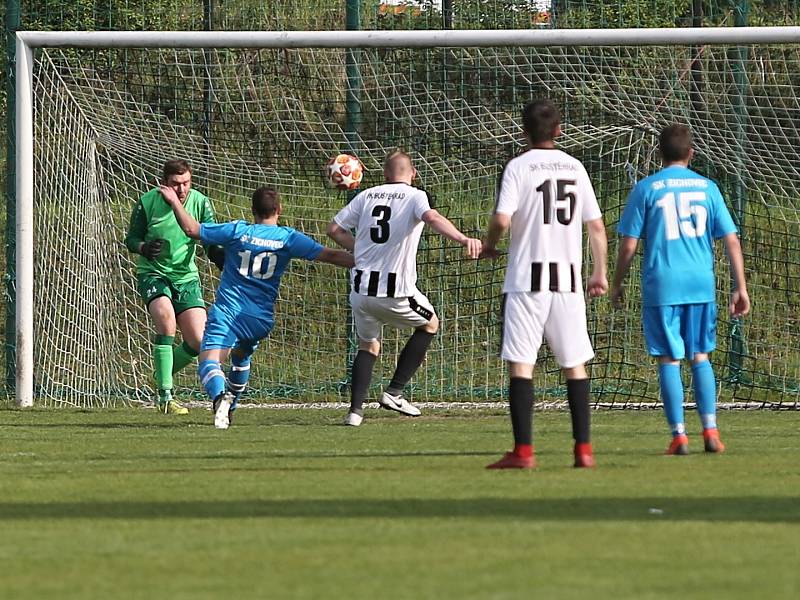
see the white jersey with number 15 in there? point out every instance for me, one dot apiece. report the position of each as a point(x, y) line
point(548, 195)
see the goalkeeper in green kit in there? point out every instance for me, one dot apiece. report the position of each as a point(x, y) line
point(167, 275)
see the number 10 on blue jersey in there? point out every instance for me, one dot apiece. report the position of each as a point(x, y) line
point(253, 266)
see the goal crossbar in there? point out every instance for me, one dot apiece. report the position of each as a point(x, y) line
point(436, 38)
point(27, 41)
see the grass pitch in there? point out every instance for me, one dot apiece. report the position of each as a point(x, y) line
point(288, 504)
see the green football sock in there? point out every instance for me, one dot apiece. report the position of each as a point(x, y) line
point(162, 360)
point(181, 356)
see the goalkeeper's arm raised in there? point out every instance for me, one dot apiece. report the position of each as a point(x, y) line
point(215, 253)
point(187, 222)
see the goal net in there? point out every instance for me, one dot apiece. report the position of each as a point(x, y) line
point(106, 119)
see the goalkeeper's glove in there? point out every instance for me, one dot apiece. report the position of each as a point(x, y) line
point(151, 249)
point(216, 254)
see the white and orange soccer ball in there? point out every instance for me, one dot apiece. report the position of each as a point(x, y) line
point(344, 172)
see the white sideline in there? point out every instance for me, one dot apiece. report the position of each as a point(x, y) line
point(444, 406)
point(346, 405)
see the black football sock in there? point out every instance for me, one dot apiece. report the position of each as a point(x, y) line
point(578, 398)
point(520, 400)
point(410, 359)
point(360, 378)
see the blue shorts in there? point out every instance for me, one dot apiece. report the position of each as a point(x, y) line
point(680, 330)
point(224, 330)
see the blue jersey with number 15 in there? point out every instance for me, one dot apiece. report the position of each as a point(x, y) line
point(255, 258)
point(679, 214)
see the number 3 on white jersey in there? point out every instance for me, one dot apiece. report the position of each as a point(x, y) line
point(254, 269)
point(680, 220)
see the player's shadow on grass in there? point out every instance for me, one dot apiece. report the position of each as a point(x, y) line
point(747, 509)
point(174, 424)
point(381, 454)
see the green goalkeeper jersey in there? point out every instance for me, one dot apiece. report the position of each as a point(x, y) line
point(152, 219)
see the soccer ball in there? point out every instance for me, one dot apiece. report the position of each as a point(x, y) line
point(344, 172)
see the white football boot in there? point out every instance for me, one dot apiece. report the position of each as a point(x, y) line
point(398, 403)
point(353, 419)
point(222, 406)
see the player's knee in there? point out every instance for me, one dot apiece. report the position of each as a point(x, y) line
point(192, 342)
point(192, 322)
point(241, 356)
point(192, 337)
point(371, 346)
point(166, 329)
point(578, 372)
point(700, 357)
point(432, 326)
point(520, 370)
point(163, 315)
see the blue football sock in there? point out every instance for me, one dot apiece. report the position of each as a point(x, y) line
point(211, 377)
point(238, 377)
point(669, 376)
point(705, 393)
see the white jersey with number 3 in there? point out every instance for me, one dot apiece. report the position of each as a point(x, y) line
point(388, 223)
point(548, 195)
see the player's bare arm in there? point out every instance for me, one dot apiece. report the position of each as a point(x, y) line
point(627, 250)
point(498, 225)
point(187, 222)
point(444, 227)
point(340, 258)
point(740, 300)
point(598, 241)
point(341, 236)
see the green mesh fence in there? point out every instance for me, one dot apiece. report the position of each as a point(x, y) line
point(107, 120)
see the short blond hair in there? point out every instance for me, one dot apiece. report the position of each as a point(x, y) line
point(391, 163)
point(394, 155)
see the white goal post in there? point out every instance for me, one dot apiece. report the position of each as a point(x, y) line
point(28, 41)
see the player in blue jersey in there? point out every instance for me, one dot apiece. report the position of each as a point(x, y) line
point(679, 214)
point(256, 256)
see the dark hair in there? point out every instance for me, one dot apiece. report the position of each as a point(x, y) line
point(540, 119)
point(266, 202)
point(675, 142)
point(175, 166)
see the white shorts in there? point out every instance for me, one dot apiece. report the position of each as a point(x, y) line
point(559, 317)
point(370, 314)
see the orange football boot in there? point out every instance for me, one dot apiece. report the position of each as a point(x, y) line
point(712, 442)
point(679, 446)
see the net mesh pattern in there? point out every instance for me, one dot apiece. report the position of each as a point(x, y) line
point(106, 120)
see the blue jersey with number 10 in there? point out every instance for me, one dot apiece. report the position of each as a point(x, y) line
point(255, 258)
point(679, 214)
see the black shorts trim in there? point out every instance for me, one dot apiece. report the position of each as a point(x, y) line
point(180, 312)
point(426, 313)
point(177, 312)
point(502, 322)
point(150, 301)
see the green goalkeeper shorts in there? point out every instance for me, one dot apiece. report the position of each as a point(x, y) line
point(183, 295)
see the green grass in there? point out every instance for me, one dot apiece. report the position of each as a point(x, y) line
point(287, 504)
